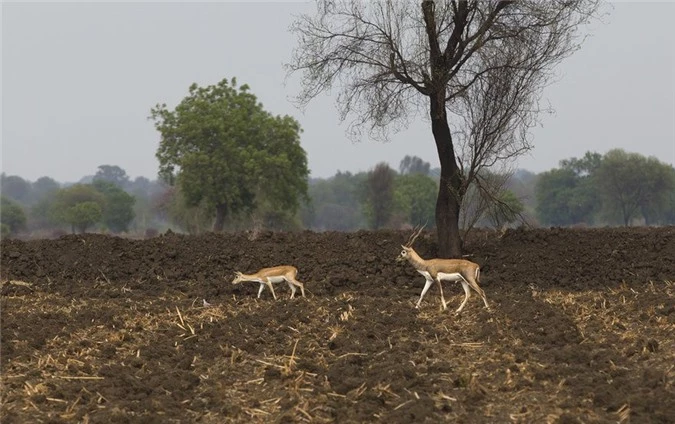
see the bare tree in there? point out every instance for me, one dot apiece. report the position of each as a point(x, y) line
point(478, 199)
point(396, 60)
point(495, 114)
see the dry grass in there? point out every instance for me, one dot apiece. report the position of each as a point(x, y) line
point(325, 359)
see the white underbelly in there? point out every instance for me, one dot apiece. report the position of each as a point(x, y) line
point(454, 276)
point(276, 279)
point(445, 276)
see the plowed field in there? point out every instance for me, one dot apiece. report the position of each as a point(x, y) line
point(101, 329)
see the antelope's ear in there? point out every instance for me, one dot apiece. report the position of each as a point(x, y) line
point(403, 246)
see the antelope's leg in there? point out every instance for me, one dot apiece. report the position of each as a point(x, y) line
point(440, 287)
point(260, 290)
point(467, 295)
point(269, 284)
point(299, 284)
point(291, 286)
point(474, 285)
point(482, 294)
point(427, 284)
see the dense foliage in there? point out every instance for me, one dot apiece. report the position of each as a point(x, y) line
point(226, 152)
point(118, 209)
point(618, 188)
point(12, 217)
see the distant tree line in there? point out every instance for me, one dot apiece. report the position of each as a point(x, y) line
point(617, 188)
point(99, 202)
point(381, 197)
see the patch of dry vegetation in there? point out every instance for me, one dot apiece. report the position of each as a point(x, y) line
point(153, 351)
point(322, 359)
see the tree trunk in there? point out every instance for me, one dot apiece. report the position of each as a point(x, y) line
point(221, 214)
point(646, 215)
point(449, 192)
point(626, 215)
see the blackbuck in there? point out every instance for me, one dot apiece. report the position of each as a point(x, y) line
point(267, 276)
point(462, 270)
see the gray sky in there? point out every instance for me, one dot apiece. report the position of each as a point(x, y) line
point(79, 80)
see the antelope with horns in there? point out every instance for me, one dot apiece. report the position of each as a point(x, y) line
point(267, 276)
point(462, 270)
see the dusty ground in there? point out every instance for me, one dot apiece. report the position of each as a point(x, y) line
point(103, 329)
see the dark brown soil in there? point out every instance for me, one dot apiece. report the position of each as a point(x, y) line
point(102, 329)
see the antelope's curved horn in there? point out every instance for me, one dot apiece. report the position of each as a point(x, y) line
point(414, 235)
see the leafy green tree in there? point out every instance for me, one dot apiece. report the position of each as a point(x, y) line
point(41, 214)
point(118, 211)
point(12, 216)
point(489, 203)
point(415, 198)
point(558, 202)
point(224, 150)
point(273, 218)
point(505, 210)
point(191, 219)
point(668, 215)
point(42, 197)
point(585, 166)
point(615, 188)
point(44, 187)
point(632, 185)
point(143, 187)
point(413, 165)
point(39, 202)
point(83, 215)
point(379, 195)
point(569, 194)
point(112, 174)
point(657, 204)
point(522, 183)
point(336, 203)
point(14, 187)
point(79, 206)
point(146, 192)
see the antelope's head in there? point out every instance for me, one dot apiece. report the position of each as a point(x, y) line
point(404, 253)
point(238, 277)
point(407, 248)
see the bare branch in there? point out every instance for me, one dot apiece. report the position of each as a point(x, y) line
point(371, 49)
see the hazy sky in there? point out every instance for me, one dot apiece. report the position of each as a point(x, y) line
point(79, 80)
